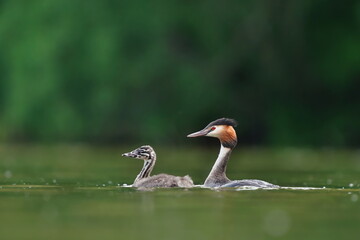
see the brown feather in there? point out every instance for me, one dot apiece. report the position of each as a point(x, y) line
point(228, 137)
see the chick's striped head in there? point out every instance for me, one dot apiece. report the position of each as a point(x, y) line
point(145, 152)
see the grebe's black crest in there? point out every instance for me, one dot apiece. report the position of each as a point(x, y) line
point(223, 121)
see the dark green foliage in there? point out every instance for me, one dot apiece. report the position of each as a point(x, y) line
point(147, 71)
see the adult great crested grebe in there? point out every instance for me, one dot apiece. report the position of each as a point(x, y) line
point(223, 129)
point(144, 179)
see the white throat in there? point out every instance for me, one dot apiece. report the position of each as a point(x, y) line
point(224, 151)
point(217, 175)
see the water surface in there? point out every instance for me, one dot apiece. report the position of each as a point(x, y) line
point(75, 192)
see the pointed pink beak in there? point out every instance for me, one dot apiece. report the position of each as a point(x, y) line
point(199, 133)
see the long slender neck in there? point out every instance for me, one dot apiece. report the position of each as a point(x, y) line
point(217, 175)
point(147, 168)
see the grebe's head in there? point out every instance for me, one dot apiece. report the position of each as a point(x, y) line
point(144, 152)
point(223, 129)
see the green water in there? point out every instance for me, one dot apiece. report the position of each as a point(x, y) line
point(63, 192)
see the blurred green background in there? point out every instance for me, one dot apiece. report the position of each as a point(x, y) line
point(153, 71)
point(82, 81)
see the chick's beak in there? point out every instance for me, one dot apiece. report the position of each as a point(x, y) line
point(129, 154)
point(200, 133)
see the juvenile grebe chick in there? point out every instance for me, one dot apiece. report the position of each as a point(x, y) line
point(223, 129)
point(144, 179)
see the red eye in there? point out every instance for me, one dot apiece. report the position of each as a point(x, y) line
point(213, 128)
